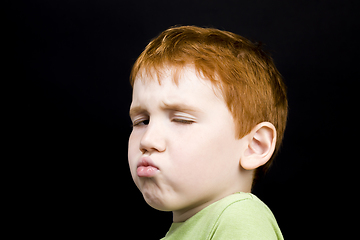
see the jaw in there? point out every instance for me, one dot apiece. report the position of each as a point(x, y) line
point(156, 194)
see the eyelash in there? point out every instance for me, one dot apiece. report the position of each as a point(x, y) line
point(140, 122)
point(179, 120)
point(176, 120)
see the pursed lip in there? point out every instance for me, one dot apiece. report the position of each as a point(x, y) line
point(146, 162)
point(146, 168)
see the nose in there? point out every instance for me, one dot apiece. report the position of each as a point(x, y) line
point(153, 139)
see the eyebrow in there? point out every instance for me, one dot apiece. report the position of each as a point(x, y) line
point(181, 107)
point(136, 110)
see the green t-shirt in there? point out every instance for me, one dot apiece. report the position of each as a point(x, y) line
point(238, 216)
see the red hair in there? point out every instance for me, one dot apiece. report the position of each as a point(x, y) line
point(246, 76)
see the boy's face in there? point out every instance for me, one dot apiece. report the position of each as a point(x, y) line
point(183, 151)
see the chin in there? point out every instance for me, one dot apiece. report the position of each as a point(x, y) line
point(156, 202)
point(157, 197)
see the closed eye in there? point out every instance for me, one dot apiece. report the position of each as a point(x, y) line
point(183, 121)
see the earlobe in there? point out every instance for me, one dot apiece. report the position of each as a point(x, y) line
point(261, 143)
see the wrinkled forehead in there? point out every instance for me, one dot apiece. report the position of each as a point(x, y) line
point(177, 74)
point(191, 94)
point(162, 73)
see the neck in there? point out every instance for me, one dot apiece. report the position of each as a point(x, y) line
point(244, 184)
point(184, 214)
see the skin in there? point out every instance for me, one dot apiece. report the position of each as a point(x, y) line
point(187, 131)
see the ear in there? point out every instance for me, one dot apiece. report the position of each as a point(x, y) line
point(260, 146)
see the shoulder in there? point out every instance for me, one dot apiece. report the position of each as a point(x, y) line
point(244, 216)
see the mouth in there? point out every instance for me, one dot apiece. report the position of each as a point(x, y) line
point(146, 168)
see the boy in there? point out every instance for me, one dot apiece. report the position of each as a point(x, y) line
point(209, 110)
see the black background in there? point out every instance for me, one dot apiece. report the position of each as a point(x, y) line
point(73, 60)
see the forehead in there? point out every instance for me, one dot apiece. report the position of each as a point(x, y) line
point(176, 73)
point(188, 87)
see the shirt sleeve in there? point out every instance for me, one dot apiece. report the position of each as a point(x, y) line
point(246, 219)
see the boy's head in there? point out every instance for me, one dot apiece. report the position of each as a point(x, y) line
point(209, 110)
